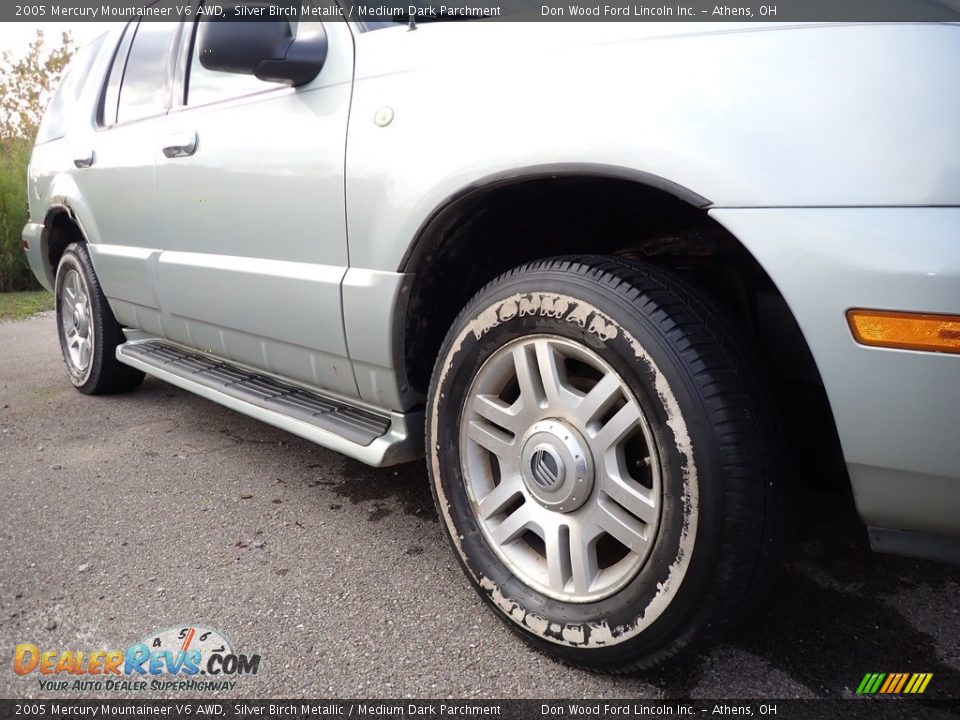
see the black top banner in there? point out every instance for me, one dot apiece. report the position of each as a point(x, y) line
point(380, 11)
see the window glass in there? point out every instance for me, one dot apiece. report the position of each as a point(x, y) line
point(207, 86)
point(142, 90)
point(54, 125)
point(111, 93)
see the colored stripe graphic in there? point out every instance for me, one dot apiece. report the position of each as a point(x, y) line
point(891, 685)
point(867, 683)
point(921, 682)
point(891, 679)
point(894, 683)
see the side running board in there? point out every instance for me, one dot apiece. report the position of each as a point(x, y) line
point(376, 438)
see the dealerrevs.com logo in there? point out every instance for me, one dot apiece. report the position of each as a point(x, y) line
point(190, 657)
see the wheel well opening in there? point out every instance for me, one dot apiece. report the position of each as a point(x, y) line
point(61, 230)
point(490, 231)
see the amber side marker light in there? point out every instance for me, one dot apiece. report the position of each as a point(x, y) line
point(906, 331)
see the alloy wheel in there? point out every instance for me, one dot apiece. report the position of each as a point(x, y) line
point(561, 468)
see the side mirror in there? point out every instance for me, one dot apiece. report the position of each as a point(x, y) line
point(264, 48)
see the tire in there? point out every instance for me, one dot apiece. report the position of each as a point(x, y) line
point(89, 333)
point(650, 411)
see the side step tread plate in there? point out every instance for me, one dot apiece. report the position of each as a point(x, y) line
point(354, 424)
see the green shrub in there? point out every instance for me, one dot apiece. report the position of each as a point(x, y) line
point(14, 272)
point(26, 86)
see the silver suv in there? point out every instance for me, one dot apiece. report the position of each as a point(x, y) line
point(622, 284)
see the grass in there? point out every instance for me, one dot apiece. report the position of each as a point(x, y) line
point(20, 305)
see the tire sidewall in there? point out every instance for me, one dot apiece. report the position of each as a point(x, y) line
point(647, 613)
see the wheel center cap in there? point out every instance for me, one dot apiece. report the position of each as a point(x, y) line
point(80, 320)
point(556, 466)
point(546, 467)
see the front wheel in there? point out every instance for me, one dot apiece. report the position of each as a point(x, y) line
point(89, 333)
point(604, 461)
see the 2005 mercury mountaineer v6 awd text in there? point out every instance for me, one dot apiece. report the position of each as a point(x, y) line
point(624, 285)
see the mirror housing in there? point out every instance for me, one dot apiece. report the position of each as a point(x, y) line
point(266, 49)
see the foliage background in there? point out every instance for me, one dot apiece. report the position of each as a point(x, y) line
point(27, 84)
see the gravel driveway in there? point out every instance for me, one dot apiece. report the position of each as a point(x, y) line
point(122, 515)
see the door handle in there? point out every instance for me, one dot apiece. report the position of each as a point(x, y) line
point(181, 144)
point(84, 161)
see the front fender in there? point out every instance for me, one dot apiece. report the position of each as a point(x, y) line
point(836, 115)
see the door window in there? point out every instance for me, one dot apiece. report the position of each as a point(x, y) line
point(208, 86)
point(111, 93)
point(143, 90)
point(54, 123)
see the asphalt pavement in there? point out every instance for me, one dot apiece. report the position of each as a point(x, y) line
point(121, 515)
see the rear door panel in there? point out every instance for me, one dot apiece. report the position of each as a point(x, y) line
point(119, 186)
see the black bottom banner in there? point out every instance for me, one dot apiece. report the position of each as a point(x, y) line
point(513, 709)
